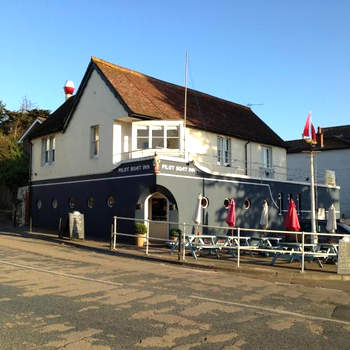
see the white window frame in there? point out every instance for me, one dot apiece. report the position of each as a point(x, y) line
point(155, 125)
point(266, 157)
point(48, 150)
point(223, 146)
point(94, 141)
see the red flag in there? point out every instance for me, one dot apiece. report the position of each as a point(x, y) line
point(313, 134)
point(306, 132)
point(307, 126)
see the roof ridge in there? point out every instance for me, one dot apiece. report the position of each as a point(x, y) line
point(113, 65)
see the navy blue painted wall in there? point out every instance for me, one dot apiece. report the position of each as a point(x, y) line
point(130, 192)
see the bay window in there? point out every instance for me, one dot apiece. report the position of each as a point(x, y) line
point(156, 136)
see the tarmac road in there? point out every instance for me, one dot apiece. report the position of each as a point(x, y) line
point(60, 297)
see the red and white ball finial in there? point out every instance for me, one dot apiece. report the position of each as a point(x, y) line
point(68, 89)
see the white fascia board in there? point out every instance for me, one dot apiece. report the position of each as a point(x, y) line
point(28, 130)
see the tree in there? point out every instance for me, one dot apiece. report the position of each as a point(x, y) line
point(14, 163)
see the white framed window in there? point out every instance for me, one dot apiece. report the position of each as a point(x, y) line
point(94, 141)
point(156, 136)
point(52, 148)
point(266, 157)
point(223, 151)
point(48, 147)
point(173, 137)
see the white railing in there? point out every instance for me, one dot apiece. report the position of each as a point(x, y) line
point(301, 251)
point(233, 167)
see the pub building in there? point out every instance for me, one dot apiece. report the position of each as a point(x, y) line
point(121, 146)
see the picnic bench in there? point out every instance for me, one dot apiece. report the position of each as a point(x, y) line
point(293, 251)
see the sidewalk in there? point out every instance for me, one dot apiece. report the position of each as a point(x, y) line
point(251, 265)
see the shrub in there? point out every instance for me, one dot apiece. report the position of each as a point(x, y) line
point(140, 228)
point(175, 232)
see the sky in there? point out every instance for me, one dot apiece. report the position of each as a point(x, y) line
point(286, 58)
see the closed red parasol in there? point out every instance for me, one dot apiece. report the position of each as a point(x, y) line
point(291, 221)
point(231, 215)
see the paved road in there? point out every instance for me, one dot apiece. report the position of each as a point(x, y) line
point(59, 297)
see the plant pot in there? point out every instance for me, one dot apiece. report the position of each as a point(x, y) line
point(140, 240)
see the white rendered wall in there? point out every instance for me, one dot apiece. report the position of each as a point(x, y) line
point(97, 106)
point(337, 160)
point(203, 147)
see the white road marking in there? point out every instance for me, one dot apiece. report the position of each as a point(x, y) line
point(61, 273)
point(267, 309)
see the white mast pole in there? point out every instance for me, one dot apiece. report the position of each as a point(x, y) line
point(185, 108)
point(312, 197)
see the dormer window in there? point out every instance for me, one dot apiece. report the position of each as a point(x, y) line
point(156, 135)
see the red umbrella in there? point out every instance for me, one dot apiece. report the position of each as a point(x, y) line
point(231, 215)
point(291, 221)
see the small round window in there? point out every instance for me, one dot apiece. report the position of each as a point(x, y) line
point(54, 203)
point(226, 202)
point(39, 204)
point(204, 202)
point(91, 202)
point(72, 203)
point(111, 201)
point(246, 204)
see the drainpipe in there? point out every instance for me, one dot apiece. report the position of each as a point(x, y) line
point(30, 180)
point(246, 156)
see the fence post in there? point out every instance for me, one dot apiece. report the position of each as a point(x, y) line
point(60, 228)
point(239, 247)
point(111, 240)
point(303, 252)
point(147, 237)
point(179, 245)
point(183, 242)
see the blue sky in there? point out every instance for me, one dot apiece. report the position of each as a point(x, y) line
point(292, 56)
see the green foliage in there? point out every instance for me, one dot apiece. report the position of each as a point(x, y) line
point(175, 232)
point(140, 228)
point(14, 163)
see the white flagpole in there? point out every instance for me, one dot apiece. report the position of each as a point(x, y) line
point(312, 197)
point(185, 108)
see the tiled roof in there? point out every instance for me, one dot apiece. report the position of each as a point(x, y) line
point(337, 137)
point(158, 99)
point(56, 120)
point(144, 96)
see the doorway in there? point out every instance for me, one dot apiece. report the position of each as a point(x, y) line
point(158, 206)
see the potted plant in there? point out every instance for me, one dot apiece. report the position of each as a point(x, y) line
point(140, 231)
point(174, 234)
